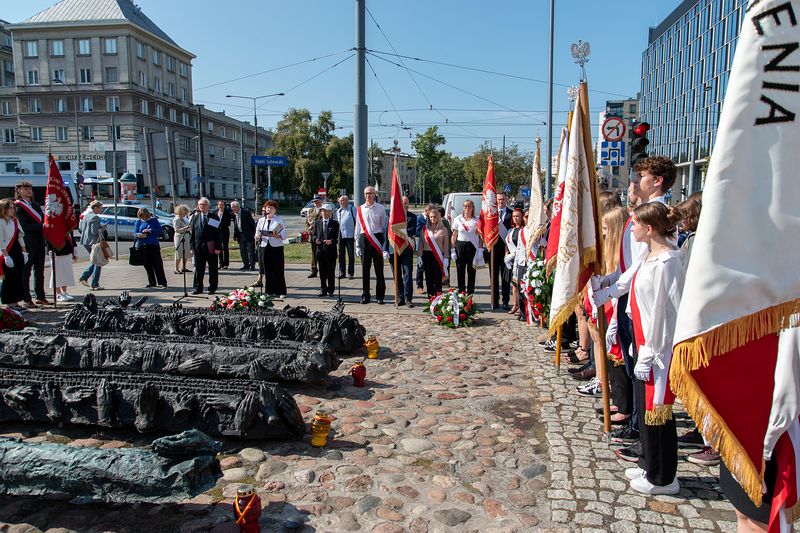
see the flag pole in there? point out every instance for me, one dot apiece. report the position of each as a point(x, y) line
point(52, 252)
point(491, 277)
point(558, 350)
point(396, 297)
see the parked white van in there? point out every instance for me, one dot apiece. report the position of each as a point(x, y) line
point(454, 204)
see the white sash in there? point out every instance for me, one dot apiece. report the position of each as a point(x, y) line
point(435, 248)
point(30, 210)
point(368, 232)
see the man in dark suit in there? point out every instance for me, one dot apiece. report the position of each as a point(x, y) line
point(244, 230)
point(325, 235)
point(31, 218)
point(206, 244)
point(504, 219)
point(224, 215)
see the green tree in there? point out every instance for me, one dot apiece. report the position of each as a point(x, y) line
point(339, 157)
point(510, 168)
point(376, 163)
point(427, 162)
point(451, 173)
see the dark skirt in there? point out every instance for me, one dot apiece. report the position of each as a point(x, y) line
point(739, 498)
point(13, 289)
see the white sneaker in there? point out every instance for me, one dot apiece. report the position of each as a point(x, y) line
point(66, 297)
point(634, 473)
point(640, 484)
point(61, 298)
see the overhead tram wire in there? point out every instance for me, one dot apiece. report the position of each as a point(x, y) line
point(275, 69)
point(541, 122)
point(486, 71)
point(384, 91)
point(408, 71)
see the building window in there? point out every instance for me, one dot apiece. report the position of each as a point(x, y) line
point(58, 74)
point(157, 85)
point(86, 104)
point(31, 49)
point(171, 89)
point(183, 69)
point(6, 107)
point(233, 135)
point(185, 118)
point(111, 75)
point(115, 132)
point(62, 134)
point(39, 167)
point(57, 48)
point(143, 107)
point(87, 134)
point(159, 111)
point(85, 75)
point(33, 77)
point(140, 51)
point(186, 144)
point(8, 66)
point(142, 79)
point(34, 105)
point(223, 133)
point(184, 94)
point(36, 134)
point(112, 103)
point(156, 57)
point(170, 63)
point(84, 47)
point(210, 127)
point(110, 45)
point(90, 165)
point(11, 168)
point(7, 41)
point(9, 136)
point(64, 165)
point(60, 105)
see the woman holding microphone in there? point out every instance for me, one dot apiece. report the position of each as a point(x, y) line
point(270, 232)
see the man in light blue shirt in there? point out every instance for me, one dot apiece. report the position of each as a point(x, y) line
point(346, 217)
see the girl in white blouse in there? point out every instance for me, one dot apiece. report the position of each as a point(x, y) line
point(655, 297)
point(270, 233)
point(14, 256)
point(466, 244)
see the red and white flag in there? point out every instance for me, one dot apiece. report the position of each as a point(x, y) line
point(578, 237)
point(59, 217)
point(558, 198)
point(488, 227)
point(736, 359)
point(537, 218)
point(398, 228)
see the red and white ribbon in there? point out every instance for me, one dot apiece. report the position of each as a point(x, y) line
point(435, 248)
point(368, 232)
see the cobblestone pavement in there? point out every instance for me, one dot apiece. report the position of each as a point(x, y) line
point(457, 430)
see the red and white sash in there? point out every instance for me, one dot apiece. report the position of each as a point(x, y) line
point(30, 210)
point(622, 266)
point(437, 253)
point(368, 232)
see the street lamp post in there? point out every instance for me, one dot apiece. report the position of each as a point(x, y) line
point(255, 137)
point(78, 186)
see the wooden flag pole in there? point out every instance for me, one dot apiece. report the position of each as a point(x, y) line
point(53, 272)
point(396, 298)
point(558, 350)
point(491, 278)
point(602, 369)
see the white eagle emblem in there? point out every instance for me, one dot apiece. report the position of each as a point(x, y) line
point(53, 205)
point(489, 204)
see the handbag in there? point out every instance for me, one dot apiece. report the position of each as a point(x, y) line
point(136, 257)
point(96, 255)
point(478, 262)
point(106, 249)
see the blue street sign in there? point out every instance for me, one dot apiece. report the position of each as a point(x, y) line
point(198, 178)
point(526, 192)
point(507, 188)
point(269, 160)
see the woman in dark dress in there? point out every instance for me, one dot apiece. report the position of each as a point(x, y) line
point(12, 248)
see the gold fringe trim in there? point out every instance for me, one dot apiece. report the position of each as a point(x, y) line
point(539, 233)
point(696, 352)
point(562, 315)
point(716, 431)
point(588, 257)
point(658, 416)
point(793, 513)
point(551, 264)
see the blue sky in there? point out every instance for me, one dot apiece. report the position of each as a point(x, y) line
point(245, 37)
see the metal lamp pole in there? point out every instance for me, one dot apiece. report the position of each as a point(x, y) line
point(255, 138)
point(77, 136)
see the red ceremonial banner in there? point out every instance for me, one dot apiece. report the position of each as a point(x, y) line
point(398, 229)
point(488, 222)
point(59, 217)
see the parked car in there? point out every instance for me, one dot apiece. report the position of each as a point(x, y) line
point(126, 219)
point(454, 203)
point(304, 212)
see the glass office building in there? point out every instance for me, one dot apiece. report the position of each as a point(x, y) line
point(685, 72)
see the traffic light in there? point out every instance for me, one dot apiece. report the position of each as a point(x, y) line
point(639, 142)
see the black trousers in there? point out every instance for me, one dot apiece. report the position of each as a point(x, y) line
point(465, 253)
point(348, 266)
point(371, 258)
point(625, 332)
point(202, 259)
point(621, 388)
point(326, 262)
point(313, 257)
point(225, 255)
point(405, 290)
point(659, 457)
point(500, 281)
point(247, 249)
point(272, 264)
point(36, 255)
point(154, 265)
point(433, 273)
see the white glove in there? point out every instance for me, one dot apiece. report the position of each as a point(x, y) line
point(386, 255)
point(419, 261)
point(509, 260)
point(599, 298)
point(446, 263)
point(358, 252)
point(453, 254)
point(596, 283)
point(25, 257)
point(611, 335)
point(642, 371)
point(8, 261)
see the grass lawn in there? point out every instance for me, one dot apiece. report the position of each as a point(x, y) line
point(295, 253)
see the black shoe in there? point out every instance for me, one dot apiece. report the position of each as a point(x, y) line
point(212, 292)
point(350, 276)
point(575, 370)
point(195, 292)
point(244, 268)
point(323, 294)
point(148, 286)
point(401, 302)
point(342, 276)
point(625, 434)
point(364, 300)
point(506, 307)
point(410, 305)
point(631, 453)
point(584, 375)
point(493, 307)
point(330, 294)
point(691, 439)
point(312, 275)
point(380, 301)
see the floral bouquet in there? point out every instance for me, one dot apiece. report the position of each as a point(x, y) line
point(245, 298)
point(537, 287)
point(452, 309)
point(10, 319)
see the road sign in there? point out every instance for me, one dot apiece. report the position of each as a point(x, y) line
point(526, 192)
point(269, 160)
point(507, 189)
point(613, 129)
point(612, 154)
point(80, 165)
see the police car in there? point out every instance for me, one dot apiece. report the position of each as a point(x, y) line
point(126, 220)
